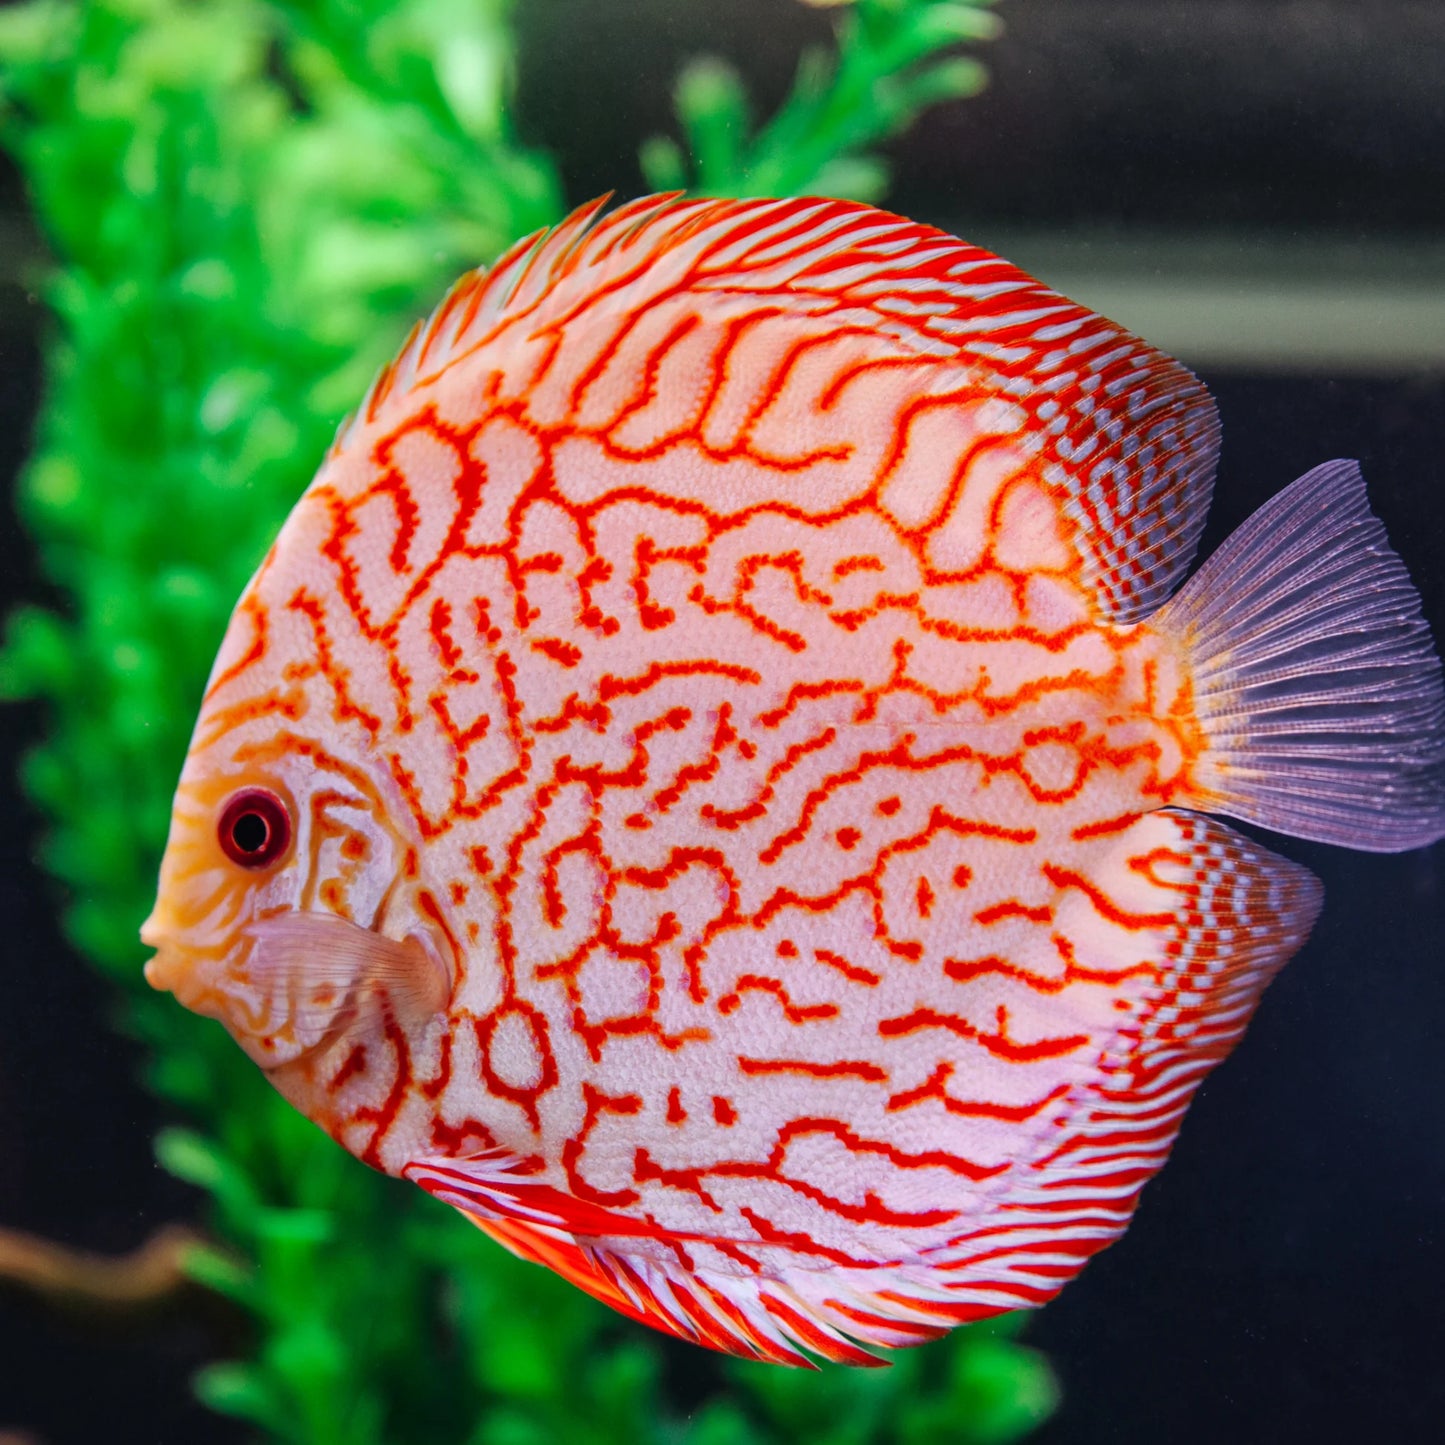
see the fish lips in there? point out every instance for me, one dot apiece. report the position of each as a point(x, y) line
point(201, 985)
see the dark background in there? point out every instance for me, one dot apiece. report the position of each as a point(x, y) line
point(1283, 1279)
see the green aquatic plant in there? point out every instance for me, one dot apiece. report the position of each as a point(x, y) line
point(245, 204)
point(893, 59)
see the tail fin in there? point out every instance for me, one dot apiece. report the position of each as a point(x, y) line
point(1314, 675)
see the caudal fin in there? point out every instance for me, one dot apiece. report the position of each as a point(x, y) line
point(1314, 674)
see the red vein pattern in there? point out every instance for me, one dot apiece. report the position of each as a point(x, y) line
point(716, 644)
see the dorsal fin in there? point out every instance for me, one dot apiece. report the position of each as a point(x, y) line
point(1125, 438)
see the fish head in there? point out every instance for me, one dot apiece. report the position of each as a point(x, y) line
point(290, 906)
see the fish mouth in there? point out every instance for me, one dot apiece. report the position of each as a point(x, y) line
point(150, 931)
point(163, 970)
point(192, 982)
point(174, 969)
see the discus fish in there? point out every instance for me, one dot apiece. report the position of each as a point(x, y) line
point(714, 779)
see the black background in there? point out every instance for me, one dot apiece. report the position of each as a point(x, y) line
point(1283, 1278)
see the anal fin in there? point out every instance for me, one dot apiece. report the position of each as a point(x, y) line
point(560, 1253)
point(526, 1219)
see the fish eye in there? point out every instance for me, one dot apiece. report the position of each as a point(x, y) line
point(255, 828)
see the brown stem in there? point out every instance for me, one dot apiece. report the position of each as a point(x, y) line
point(94, 1283)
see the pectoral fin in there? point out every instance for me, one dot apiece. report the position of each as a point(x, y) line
point(309, 974)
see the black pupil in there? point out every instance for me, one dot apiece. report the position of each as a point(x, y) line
point(249, 832)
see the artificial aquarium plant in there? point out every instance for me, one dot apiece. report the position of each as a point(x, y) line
point(245, 205)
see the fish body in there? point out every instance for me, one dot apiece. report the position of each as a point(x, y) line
point(710, 780)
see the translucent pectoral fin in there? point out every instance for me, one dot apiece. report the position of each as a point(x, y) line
point(309, 974)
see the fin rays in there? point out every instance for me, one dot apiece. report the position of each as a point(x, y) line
point(1314, 673)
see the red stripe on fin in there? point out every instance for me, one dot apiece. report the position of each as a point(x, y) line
point(597, 1273)
point(1134, 466)
point(494, 1185)
point(557, 1252)
point(1314, 676)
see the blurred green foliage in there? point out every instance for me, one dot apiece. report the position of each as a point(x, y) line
point(893, 59)
point(246, 203)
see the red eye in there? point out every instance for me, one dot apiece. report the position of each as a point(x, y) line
point(255, 828)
